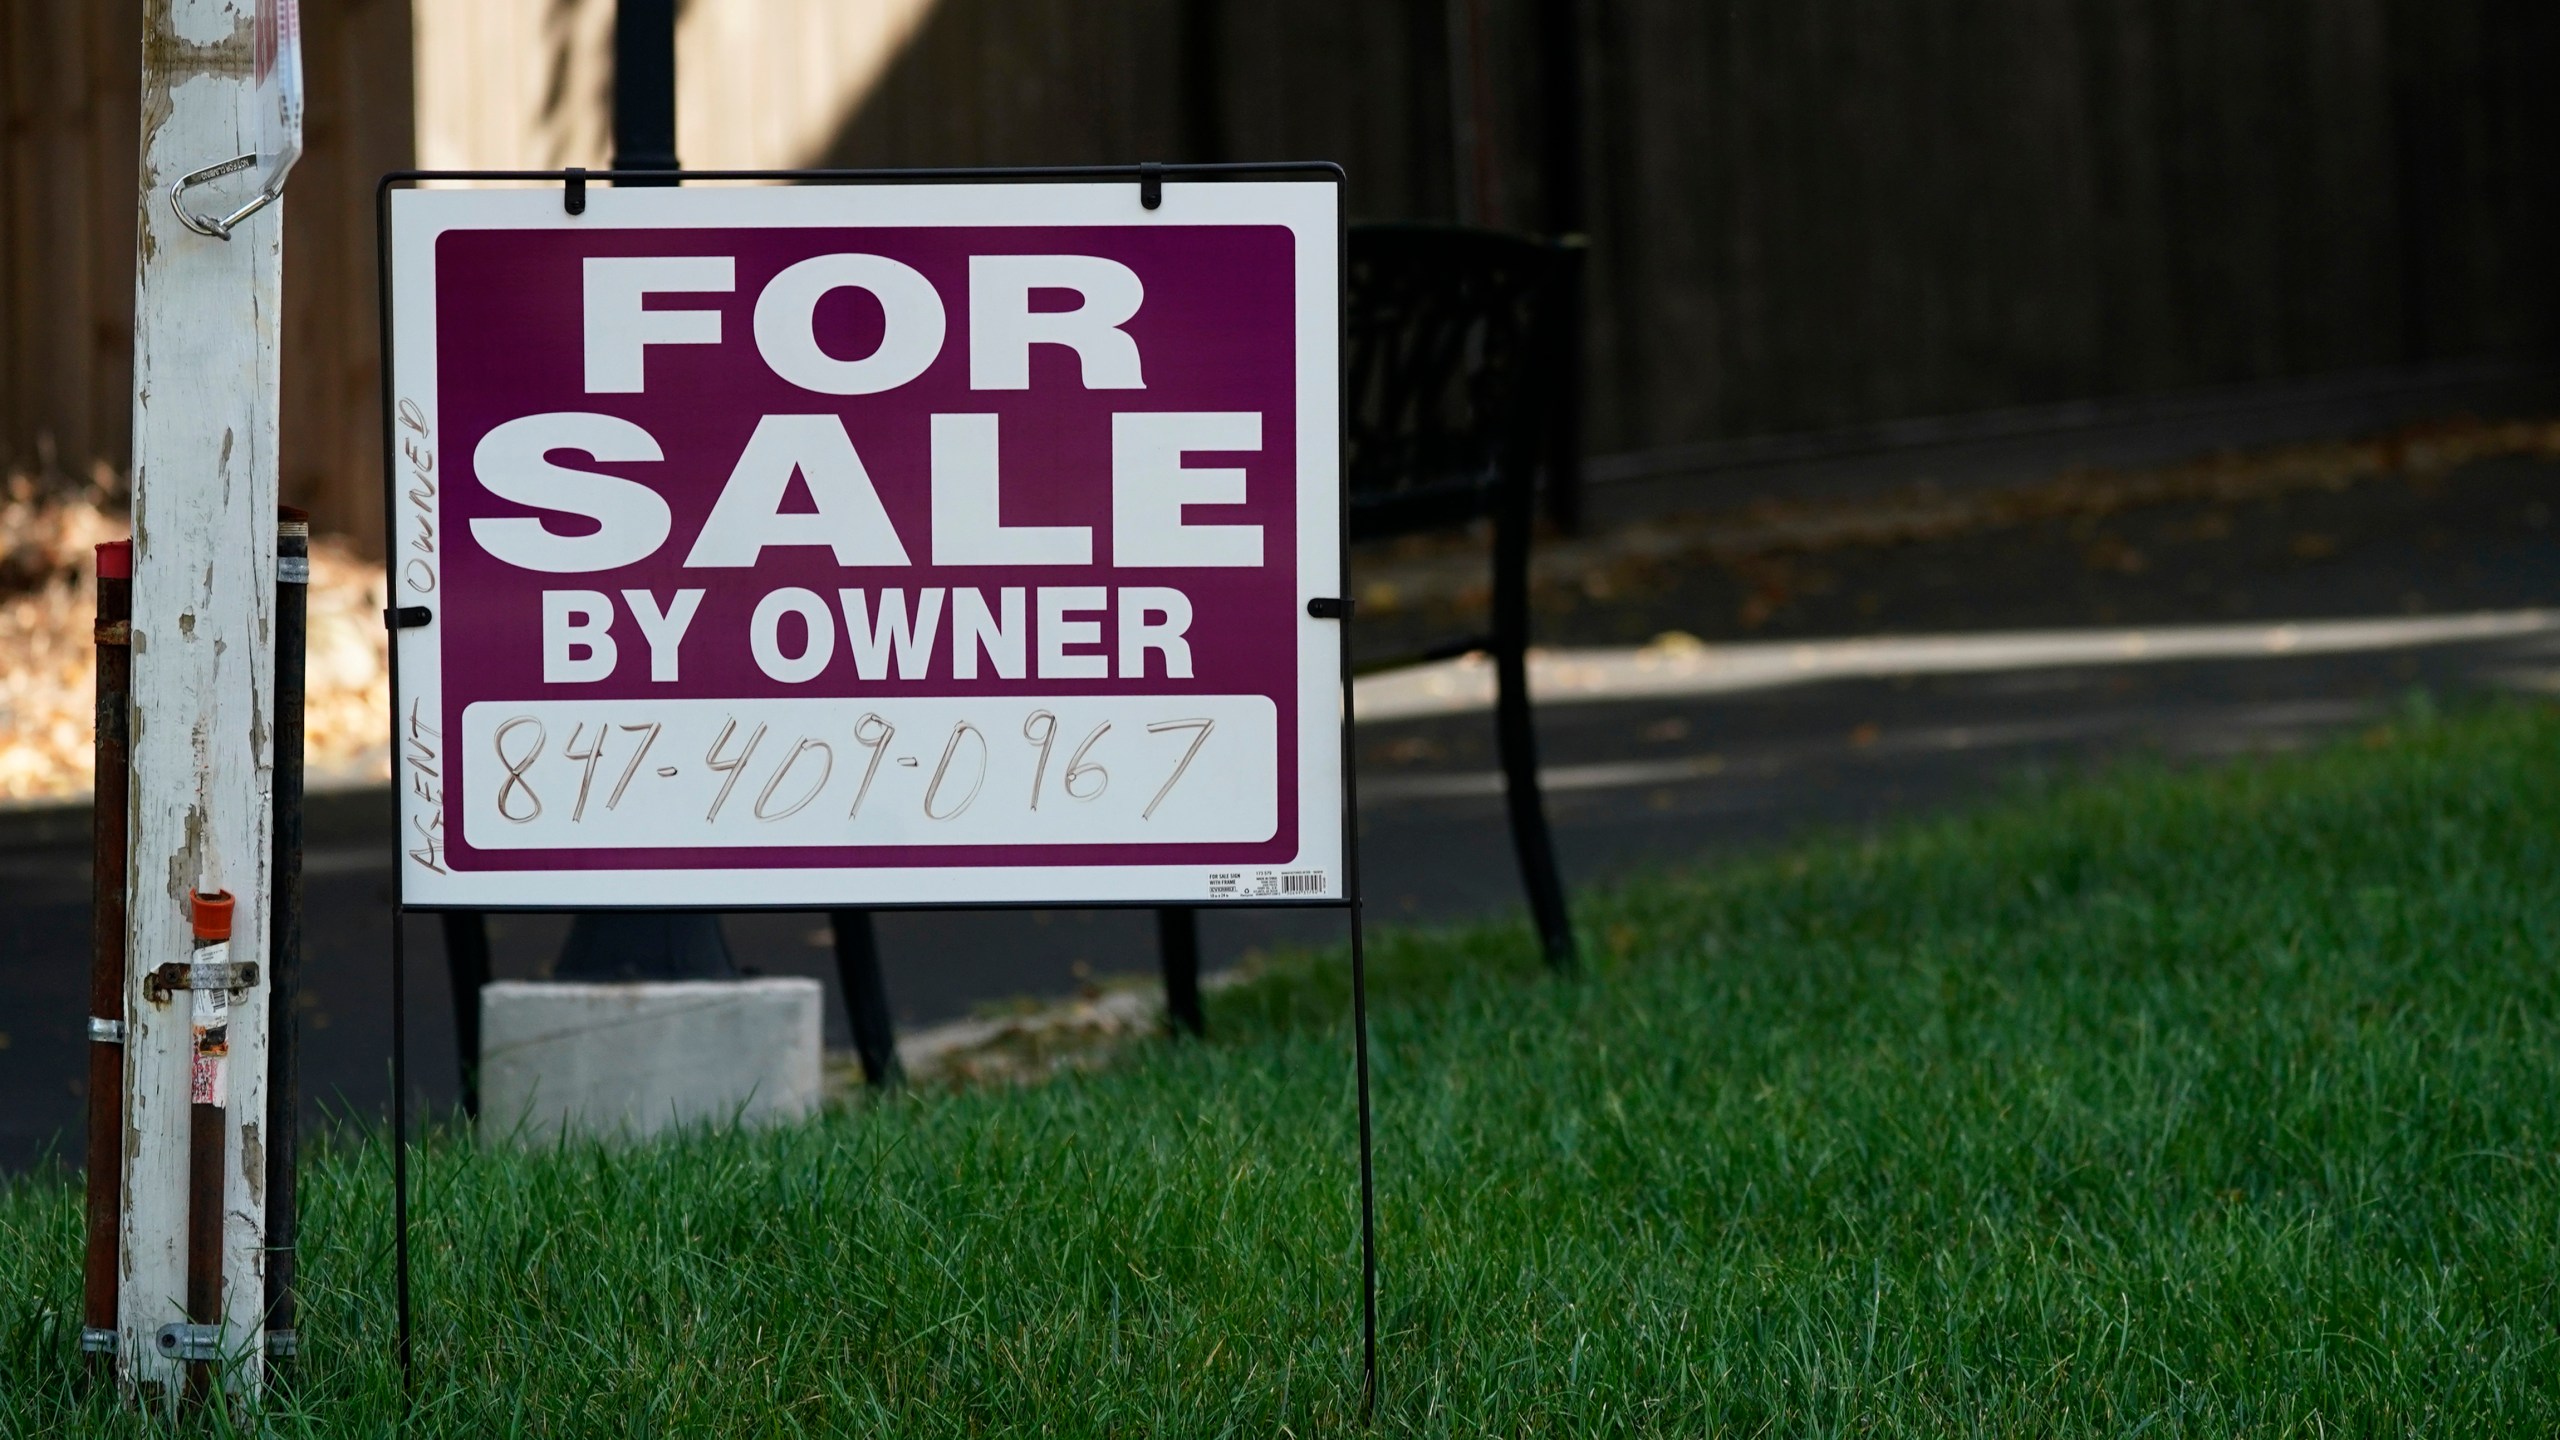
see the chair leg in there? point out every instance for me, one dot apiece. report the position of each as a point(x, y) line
point(866, 997)
point(1178, 949)
point(466, 958)
point(1518, 744)
point(1514, 736)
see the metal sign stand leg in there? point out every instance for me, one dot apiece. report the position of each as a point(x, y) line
point(400, 1131)
point(1368, 1175)
point(1341, 609)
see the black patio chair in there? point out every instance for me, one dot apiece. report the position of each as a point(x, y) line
point(1452, 356)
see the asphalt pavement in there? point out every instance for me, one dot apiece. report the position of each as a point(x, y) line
point(1636, 781)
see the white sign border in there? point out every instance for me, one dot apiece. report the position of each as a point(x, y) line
point(415, 217)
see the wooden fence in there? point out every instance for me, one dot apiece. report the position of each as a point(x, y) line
point(1803, 213)
point(70, 72)
point(1812, 213)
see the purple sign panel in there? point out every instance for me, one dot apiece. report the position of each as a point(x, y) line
point(867, 545)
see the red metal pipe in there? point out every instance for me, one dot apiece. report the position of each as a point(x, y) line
point(207, 1097)
point(107, 836)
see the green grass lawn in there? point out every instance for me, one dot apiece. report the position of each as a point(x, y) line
point(2164, 1105)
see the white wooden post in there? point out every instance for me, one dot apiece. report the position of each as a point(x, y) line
point(204, 524)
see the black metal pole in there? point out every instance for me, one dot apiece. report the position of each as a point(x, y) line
point(644, 86)
point(670, 944)
point(1368, 1165)
point(1360, 1039)
point(1353, 893)
point(1560, 77)
point(866, 997)
point(1202, 39)
point(399, 855)
point(1178, 950)
point(284, 935)
point(400, 1126)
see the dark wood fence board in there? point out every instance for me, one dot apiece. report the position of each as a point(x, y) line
point(1804, 213)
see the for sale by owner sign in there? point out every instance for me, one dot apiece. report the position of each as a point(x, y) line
point(866, 545)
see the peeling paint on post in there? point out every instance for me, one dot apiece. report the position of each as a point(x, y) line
point(204, 504)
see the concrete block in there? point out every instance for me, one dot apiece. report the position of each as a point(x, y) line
point(635, 1058)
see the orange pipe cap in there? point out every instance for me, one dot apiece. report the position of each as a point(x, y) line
point(212, 915)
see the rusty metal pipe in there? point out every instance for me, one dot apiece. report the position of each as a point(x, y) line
point(107, 833)
point(208, 1097)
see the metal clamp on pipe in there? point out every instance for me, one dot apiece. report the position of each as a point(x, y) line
point(231, 977)
point(181, 1341)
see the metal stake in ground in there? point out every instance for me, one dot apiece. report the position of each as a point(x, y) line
point(284, 931)
point(1358, 910)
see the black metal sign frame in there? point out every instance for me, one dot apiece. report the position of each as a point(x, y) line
point(1149, 180)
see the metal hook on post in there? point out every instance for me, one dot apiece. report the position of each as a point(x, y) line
point(221, 228)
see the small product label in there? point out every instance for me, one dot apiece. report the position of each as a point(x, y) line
point(211, 1007)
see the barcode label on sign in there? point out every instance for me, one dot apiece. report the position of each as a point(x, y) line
point(1266, 884)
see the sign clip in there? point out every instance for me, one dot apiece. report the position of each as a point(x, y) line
point(1329, 607)
point(1151, 185)
point(573, 190)
point(406, 617)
